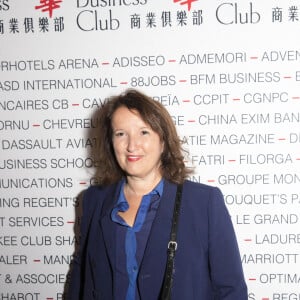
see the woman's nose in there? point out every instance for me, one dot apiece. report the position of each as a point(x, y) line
point(133, 142)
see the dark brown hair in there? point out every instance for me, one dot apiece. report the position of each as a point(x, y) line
point(157, 117)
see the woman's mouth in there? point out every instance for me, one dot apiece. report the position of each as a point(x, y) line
point(133, 158)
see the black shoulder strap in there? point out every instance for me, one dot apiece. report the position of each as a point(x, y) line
point(172, 247)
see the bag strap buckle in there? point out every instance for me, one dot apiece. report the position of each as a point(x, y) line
point(172, 245)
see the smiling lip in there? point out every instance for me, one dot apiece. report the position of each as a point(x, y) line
point(133, 158)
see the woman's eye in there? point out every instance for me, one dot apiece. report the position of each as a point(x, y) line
point(119, 133)
point(144, 132)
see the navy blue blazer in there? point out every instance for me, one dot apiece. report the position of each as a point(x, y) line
point(207, 262)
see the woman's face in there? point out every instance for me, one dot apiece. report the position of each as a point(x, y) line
point(137, 147)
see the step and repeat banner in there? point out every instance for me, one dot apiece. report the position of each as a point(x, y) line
point(229, 74)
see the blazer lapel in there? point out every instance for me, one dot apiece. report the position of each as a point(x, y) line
point(155, 256)
point(107, 226)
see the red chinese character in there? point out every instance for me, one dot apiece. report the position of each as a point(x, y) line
point(188, 2)
point(48, 5)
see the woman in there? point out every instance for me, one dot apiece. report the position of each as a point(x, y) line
point(127, 219)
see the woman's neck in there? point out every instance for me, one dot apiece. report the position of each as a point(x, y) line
point(140, 187)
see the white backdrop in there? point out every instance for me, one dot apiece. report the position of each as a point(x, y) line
point(229, 74)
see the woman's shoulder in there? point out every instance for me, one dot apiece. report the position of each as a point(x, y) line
point(100, 189)
point(203, 194)
point(94, 193)
point(92, 189)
